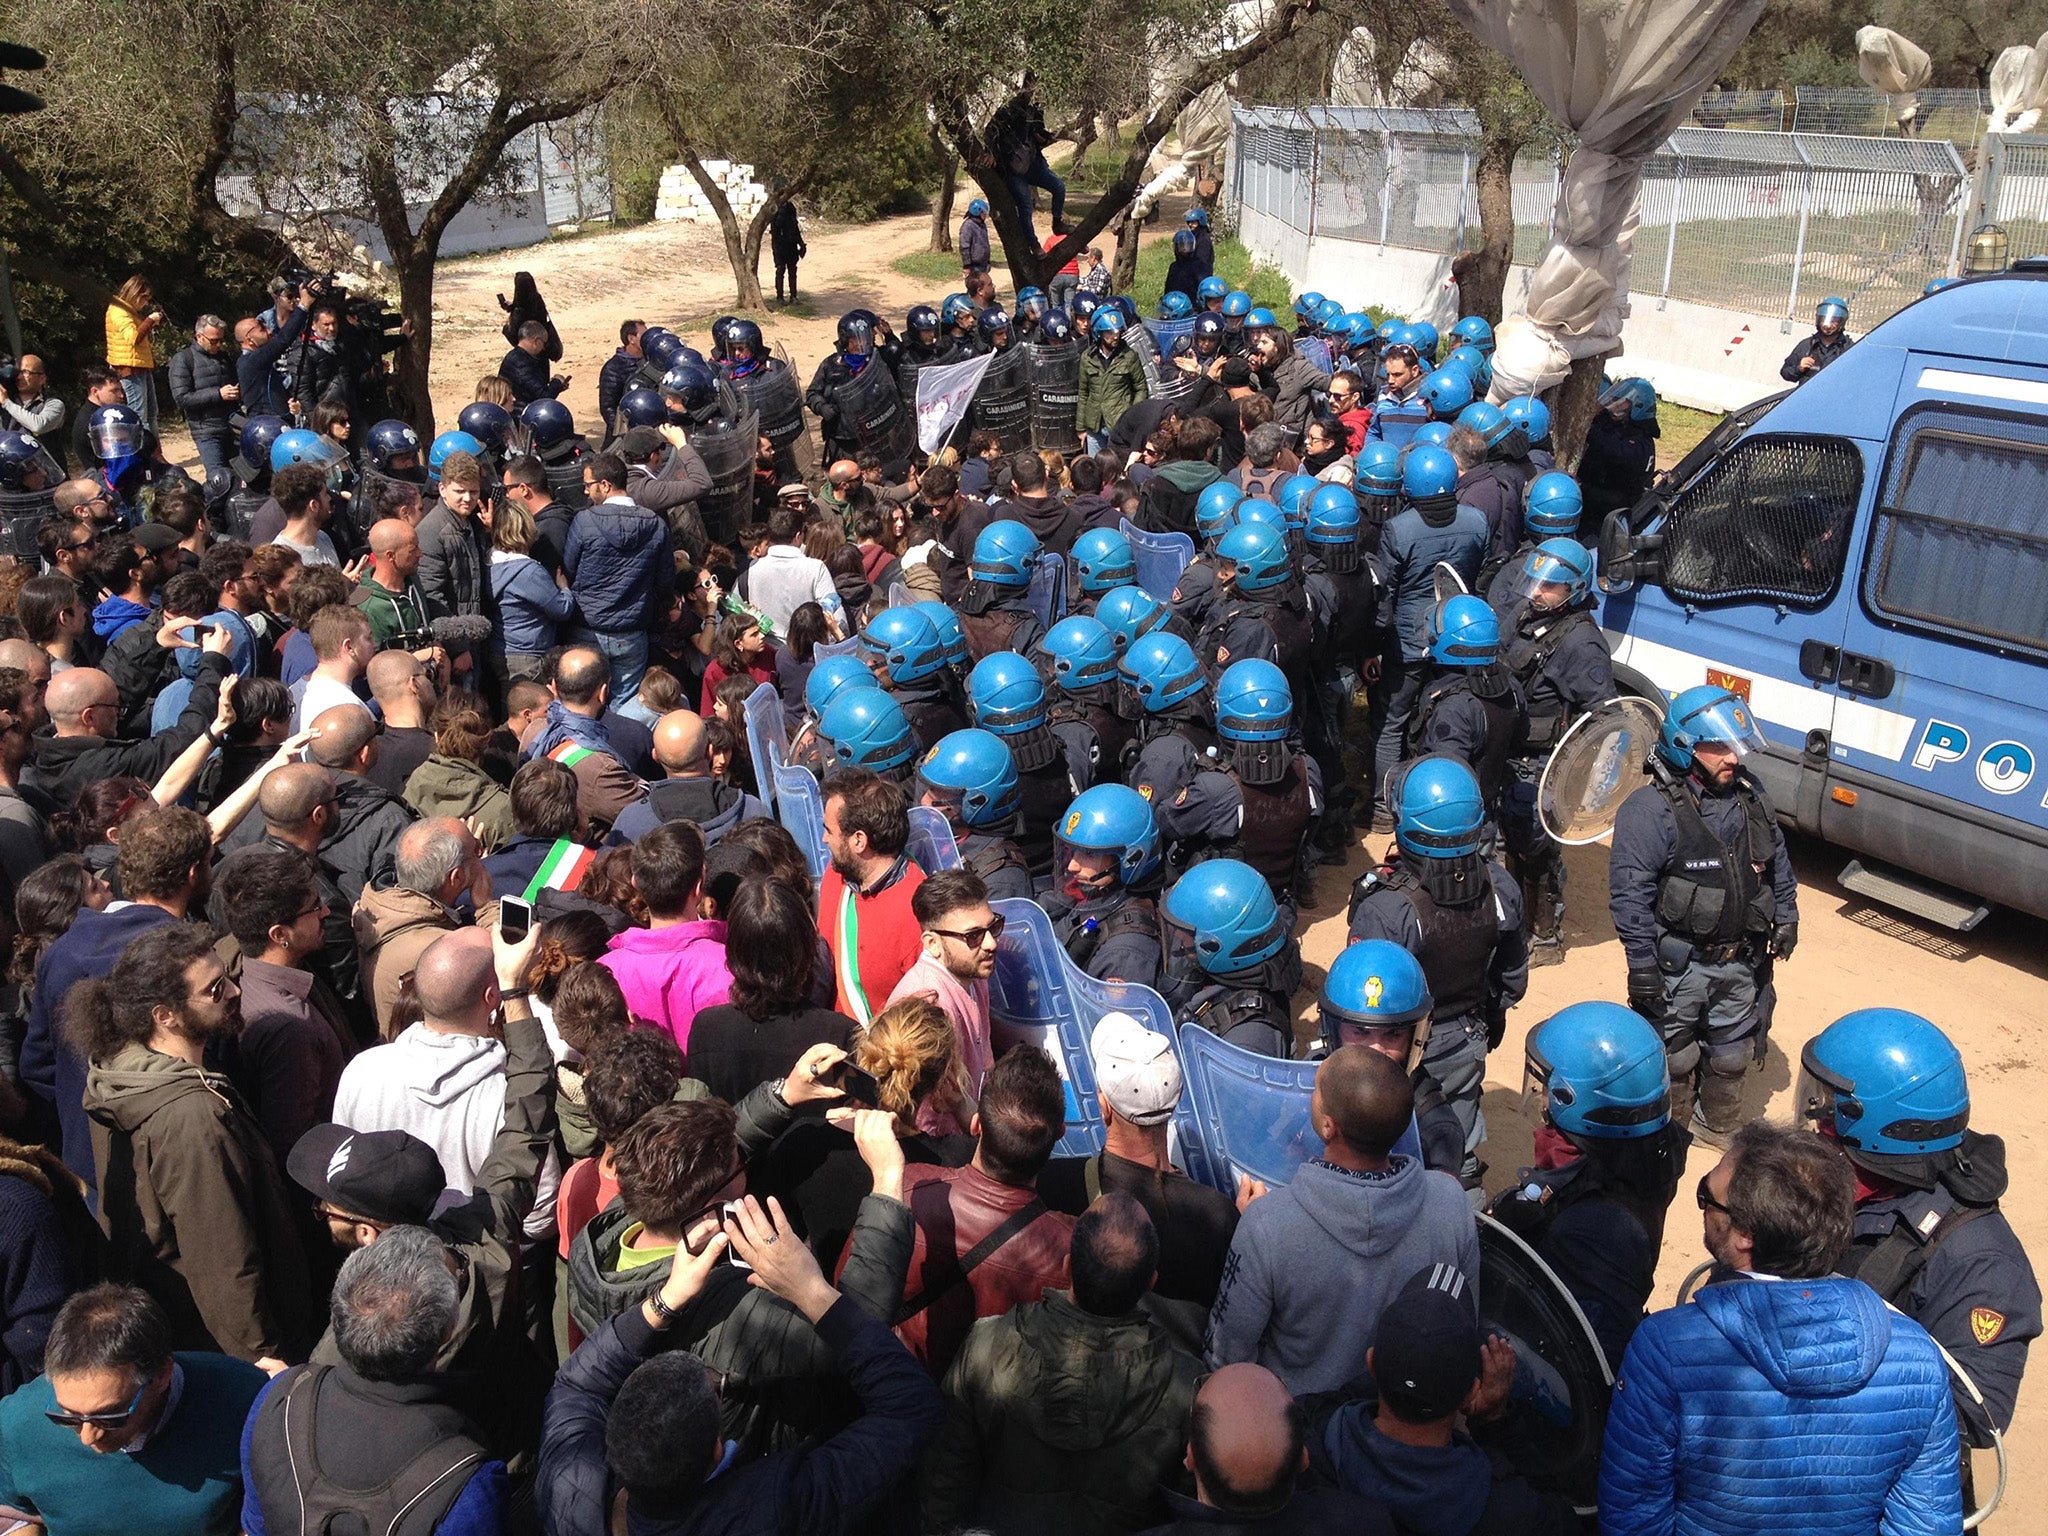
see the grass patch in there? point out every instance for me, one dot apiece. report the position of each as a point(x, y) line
point(1680, 428)
point(1268, 286)
point(941, 267)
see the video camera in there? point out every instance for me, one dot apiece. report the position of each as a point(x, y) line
point(410, 640)
point(294, 280)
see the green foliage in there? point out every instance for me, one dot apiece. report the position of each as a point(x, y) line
point(875, 175)
point(935, 266)
point(1268, 286)
point(637, 147)
point(1814, 62)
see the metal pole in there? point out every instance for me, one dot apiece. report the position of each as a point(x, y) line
point(1671, 239)
point(1464, 184)
point(1386, 188)
point(1799, 249)
point(7, 312)
point(1315, 175)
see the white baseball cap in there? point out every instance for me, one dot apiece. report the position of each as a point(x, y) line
point(1135, 1068)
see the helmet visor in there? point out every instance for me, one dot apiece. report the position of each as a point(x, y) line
point(1817, 1102)
point(1085, 871)
point(1398, 1042)
point(1726, 723)
point(1183, 965)
point(115, 439)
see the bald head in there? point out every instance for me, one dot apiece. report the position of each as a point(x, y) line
point(389, 534)
point(291, 794)
point(391, 674)
point(344, 732)
point(679, 743)
point(457, 989)
point(580, 676)
point(73, 494)
point(76, 692)
point(1246, 1440)
point(24, 656)
point(1363, 1100)
point(842, 474)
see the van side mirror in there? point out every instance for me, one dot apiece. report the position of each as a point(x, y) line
point(1626, 558)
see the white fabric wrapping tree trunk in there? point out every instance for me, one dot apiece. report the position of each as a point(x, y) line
point(1621, 74)
point(1896, 66)
point(2019, 88)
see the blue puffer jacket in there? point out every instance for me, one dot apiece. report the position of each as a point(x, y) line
point(621, 566)
point(1411, 546)
point(1787, 1405)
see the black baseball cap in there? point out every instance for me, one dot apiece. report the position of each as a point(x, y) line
point(383, 1176)
point(1425, 1356)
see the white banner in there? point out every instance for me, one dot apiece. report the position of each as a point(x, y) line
point(943, 394)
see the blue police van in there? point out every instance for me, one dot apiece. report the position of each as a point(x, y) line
point(1865, 560)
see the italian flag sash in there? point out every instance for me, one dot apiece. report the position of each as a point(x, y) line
point(568, 754)
point(848, 924)
point(563, 868)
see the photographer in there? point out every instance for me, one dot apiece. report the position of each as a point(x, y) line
point(265, 341)
point(26, 402)
point(205, 384)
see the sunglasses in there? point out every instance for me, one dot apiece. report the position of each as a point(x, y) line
point(974, 938)
point(217, 991)
point(1706, 1199)
point(98, 1420)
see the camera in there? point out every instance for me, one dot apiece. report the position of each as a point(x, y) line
point(8, 368)
point(410, 640)
point(295, 279)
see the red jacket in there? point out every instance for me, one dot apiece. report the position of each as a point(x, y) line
point(1356, 420)
point(885, 932)
point(761, 670)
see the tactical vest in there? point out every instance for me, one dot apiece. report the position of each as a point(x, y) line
point(1891, 1266)
point(1528, 652)
point(1294, 630)
point(1136, 915)
point(1044, 793)
point(1112, 732)
point(1457, 941)
point(1712, 892)
point(990, 632)
point(1503, 728)
point(1247, 1017)
point(1352, 626)
point(931, 716)
point(412, 1502)
point(1273, 823)
point(996, 853)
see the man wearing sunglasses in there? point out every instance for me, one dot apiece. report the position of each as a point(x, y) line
point(122, 1434)
point(959, 932)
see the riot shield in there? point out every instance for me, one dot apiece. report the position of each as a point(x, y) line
point(844, 647)
point(1557, 1407)
point(801, 809)
point(767, 737)
point(242, 508)
point(1164, 333)
point(1598, 764)
point(1448, 582)
point(1252, 1110)
point(1316, 350)
point(1047, 594)
point(21, 515)
point(771, 392)
point(1170, 383)
point(901, 596)
point(1055, 394)
point(931, 845)
point(1160, 557)
point(875, 414)
point(565, 481)
point(727, 448)
point(1002, 401)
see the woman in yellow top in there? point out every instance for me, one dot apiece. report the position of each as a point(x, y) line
point(132, 317)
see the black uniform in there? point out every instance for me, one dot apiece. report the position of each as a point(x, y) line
point(1094, 734)
point(999, 862)
point(840, 440)
point(1252, 1009)
point(1219, 814)
point(1275, 625)
point(1473, 714)
point(1619, 461)
point(1046, 784)
point(1113, 937)
point(1171, 747)
point(1822, 348)
point(933, 707)
point(998, 619)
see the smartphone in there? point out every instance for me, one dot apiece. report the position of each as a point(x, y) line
point(861, 1087)
point(203, 630)
point(515, 919)
point(730, 1211)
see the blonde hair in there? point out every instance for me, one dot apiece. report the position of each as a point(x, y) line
point(1055, 469)
point(496, 391)
point(512, 528)
point(913, 1053)
point(135, 294)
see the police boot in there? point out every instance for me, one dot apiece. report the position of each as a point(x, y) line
point(1540, 918)
point(1683, 1065)
point(1717, 1114)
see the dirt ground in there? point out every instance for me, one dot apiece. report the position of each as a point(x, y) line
point(1988, 989)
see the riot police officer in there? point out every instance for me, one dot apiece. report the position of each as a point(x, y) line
point(854, 351)
point(958, 319)
point(909, 662)
point(1471, 706)
point(1343, 593)
point(970, 778)
point(1261, 610)
point(1091, 714)
point(1551, 512)
point(490, 424)
point(865, 729)
point(830, 677)
point(1703, 898)
point(1103, 897)
point(552, 438)
point(1533, 417)
point(1101, 561)
point(639, 407)
point(1129, 613)
point(1177, 737)
point(995, 613)
point(1559, 656)
point(1216, 513)
point(1460, 915)
point(1610, 1158)
point(1007, 697)
point(1377, 484)
point(1262, 803)
point(925, 338)
point(1232, 966)
point(1830, 339)
point(764, 382)
point(1375, 995)
point(958, 658)
point(1889, 1088)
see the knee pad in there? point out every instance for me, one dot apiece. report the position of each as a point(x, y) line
point(1730, 1058)
point(1682, 1060)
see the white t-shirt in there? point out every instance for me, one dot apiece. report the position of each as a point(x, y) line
point(322, 693)
point(320, 552)
point(783, 580)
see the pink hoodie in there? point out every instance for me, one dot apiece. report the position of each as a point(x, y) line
point(669, 975)
point(966, 1005)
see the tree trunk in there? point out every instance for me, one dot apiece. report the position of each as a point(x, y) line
point(746, 281)
point(1083, 140)
point(1483, 279)
point(1123, 272)
point(413, 398)
point(942, 205)
point(1572, 405)
point(1112, 133)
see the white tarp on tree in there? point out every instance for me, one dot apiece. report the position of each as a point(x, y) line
point(1896, 66)
point(2019, 88)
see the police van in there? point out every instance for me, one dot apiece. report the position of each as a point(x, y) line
point(1865, 561)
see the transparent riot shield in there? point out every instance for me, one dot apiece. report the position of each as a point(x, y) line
point(1316, 350)
point(800, 808)
point(1160, 557)
point(1448, 582)
point(242, 508)
point(767, 737)
point(931, 845)
point(727, 448)
point(1557, 1407)
point(1055, 394)
point(1002, 401)
point(844, 647)
point(21, 516)
point(1598, 764)
point(901, 596)
point(1047, 594)
point(1164, 333)
point(871, 407)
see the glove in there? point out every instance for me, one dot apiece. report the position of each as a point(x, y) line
point(1784, 939)
point(1496, 1025)
point(1646, 992)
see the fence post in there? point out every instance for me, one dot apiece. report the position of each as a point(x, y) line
point(1799, 248)
point(1671, 239)
point(1386, 187)
point(1464, 186)
point(1315, 175)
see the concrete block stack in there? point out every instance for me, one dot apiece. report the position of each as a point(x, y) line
point(681, 198)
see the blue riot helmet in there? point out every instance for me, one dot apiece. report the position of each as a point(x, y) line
point(1379, 470)
point(1464, 632)
point(547, 423)
point(1355, 329)
point(1884, 1083)
point(1006, 695)
point(1430, 471)
point(1555, 505)
point(1211, 290)
point(1446, 392)
point(953, 306)
point(389, 441)
point(1107, 323)
point(1635, 394)
point(992, 322)
point(298, 446)
point(1102, 561)
point(1261, 319)
point(1129, 613)
point(1183, 242)
point(1602, 1072)
point(1175, 305)
point(1293, 497)
point(1438, 810)
point(1004, 554)
point(1031, 300)
point(1257, 556)
point(1473, 364)
point(1473, 331)
point(456, 441)
point(1328, 313)
point(905, 643)
point(1306, 304)
point(977, 208)
point(1388, 331)
point(1162, 670)
point(1532, 415)
point(22, 459)
point(1236, 305)
point(1936, 284)
point(661, 349)
point(867, 729)
point(642, 408)
point(1433, 434)
point(832, 676)
point(1207, 334)
point(1706, 714)
point(1425, 340)
point(1254, 712)
point(971, 777)
point(922, 318)
point(486, 422)
point(694, 385)
point(1221, 919)
point(1334, 522)
point(1375, 992)
point(1127, 305)
point(856, 338)
point(1830, 315)
point(1199, 217)
point(1081, 652)
point(259, 432)
point(1054, 326)
point(1257, 509)
point(951, 635)
point(1083, 305)
point(118, 439)
point(1216, 508)
point(1111, 819)
point(1489, 421)
point(1558, 563)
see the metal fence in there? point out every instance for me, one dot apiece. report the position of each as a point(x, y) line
point(2011, 191)
point(1957, 115)
point(1767, 223)
point(1765, 110)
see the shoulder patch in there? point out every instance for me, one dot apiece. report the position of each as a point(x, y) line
point(1145, 790)
point(1182, 797)
point(1985, 1324)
